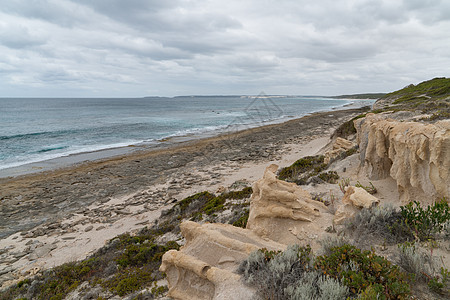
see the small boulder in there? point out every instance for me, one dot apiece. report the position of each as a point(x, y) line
point(354, 200)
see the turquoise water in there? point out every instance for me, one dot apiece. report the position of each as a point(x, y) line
point(33, 130)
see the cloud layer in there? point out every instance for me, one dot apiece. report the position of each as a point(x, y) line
point(112, 48)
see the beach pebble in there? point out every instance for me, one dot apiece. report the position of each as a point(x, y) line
point(89, 228)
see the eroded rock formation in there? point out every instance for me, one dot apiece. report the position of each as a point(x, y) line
point(355, 199)
point(280, 210)
point(416, 155)
point(340, 145)
point(203, 268)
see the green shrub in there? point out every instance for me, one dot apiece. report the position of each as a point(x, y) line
point(128, 280)
point(425, 223)
point(330, 176)
point(439, 283)
point(243, 219)
point(273, 272)
point(312, 165)
point(370, 189)
point(345, 271)
point(331, 242)
point(347, 128)
point(362, 269)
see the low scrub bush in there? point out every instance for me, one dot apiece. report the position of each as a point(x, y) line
point(379, 224)
point(331, 242)
point(242, 221)
point(415, 260)
point(289, 275)
point(304, 168)
point(345, 271)
point(425, 223)
point(347, 128)
point(412, 222)
point(360, 270)
point(330, 176)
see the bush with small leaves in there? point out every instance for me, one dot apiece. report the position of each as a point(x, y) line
point(425, 223)
point(272, 272)
point(415, 261)
point(331, 242)
point(362, 269)
point(382, 224)
point(314, 285)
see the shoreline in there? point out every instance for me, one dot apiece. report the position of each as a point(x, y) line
point(90, 181)
point(72, 160)
point(48, 217)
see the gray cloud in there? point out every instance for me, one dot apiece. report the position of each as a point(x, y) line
point(142, 47)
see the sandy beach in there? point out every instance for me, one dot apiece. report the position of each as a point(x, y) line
point(64, 215)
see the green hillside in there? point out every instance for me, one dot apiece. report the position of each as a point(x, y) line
point(432, 96)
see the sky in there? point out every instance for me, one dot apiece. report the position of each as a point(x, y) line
point(137, 48)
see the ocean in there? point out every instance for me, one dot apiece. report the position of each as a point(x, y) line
point(38, 129)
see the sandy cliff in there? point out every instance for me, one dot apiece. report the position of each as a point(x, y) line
point(416, 155)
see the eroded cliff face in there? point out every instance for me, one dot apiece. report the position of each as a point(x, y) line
point(204, 267)
point(281, 214)
point(282, 211)
point(416, 155)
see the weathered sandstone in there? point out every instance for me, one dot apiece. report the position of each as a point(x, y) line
point(340, 145)
point(279, 210)
point(416, 155)
point(203, 268)
point(355, 199)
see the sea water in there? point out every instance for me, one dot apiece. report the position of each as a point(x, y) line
point(39, 129)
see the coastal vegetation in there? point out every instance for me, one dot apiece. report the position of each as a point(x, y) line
point(349, 266)
point(360, 96)
point(129, 264)
point(345, 271)
point(312, 169)
point(430, 97)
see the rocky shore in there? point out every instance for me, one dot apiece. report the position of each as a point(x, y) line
point(335, 205)
point(54, 217)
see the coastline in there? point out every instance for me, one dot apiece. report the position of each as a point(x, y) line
point(71, 160)
point(84, 205)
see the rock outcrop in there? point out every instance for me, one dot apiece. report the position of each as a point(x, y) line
point(204, 267)
point(355, 199)
point(279, 210)
point(416, 155)
point(340, 145)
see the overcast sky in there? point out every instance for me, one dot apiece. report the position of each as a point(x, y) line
point(135, 48)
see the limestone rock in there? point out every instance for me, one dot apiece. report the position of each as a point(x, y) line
point(359, 197)
point(203, 268)
point(355, 198)
point(340, 145)
point(42, 251)
point(279, 208)
point(344, 212)
point(416, 155)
